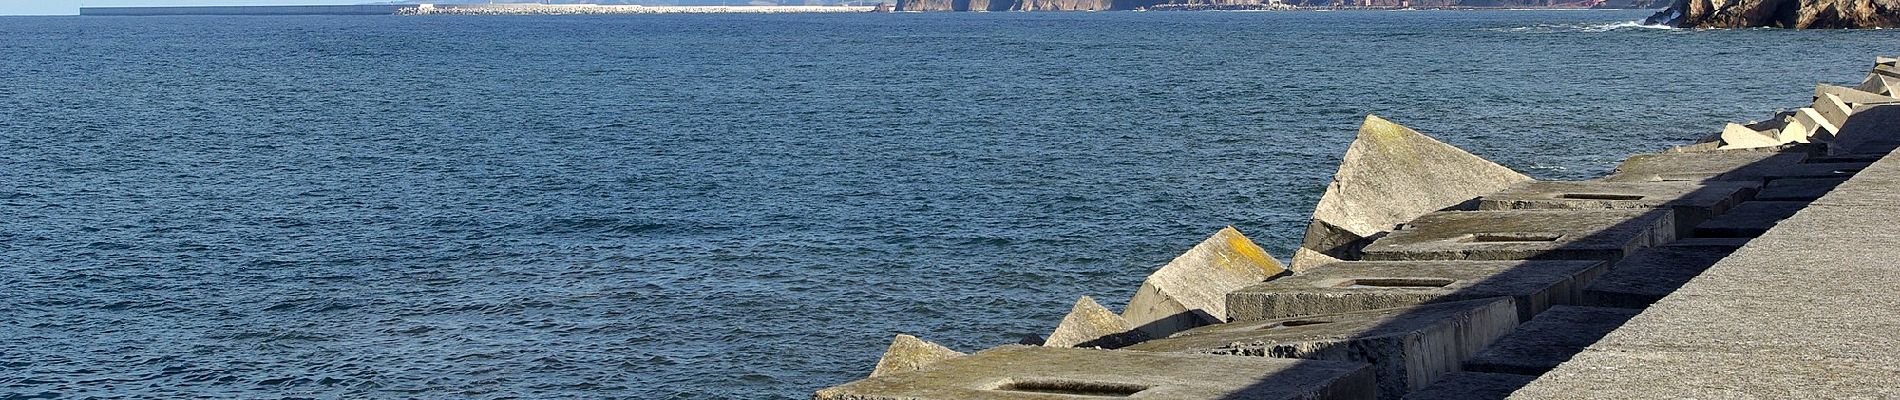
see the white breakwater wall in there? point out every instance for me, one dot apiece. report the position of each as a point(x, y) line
point(583, 9)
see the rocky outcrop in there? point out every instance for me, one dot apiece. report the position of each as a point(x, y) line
point(1797, 14)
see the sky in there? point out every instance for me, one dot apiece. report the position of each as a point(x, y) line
point(71, 7)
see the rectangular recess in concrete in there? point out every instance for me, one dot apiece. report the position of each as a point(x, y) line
point(1693, 202)
point(1552, 338)
point(1648, 275)
point(1606, 235)
point(1409, 347)
point(1030, 372)
point(1367, 285)
point(1703, 166)
point(1750, 219)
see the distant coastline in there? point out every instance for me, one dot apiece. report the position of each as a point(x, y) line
point(611, 9)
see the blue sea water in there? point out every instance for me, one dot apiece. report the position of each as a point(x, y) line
point(731, 206)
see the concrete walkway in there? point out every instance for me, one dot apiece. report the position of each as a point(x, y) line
point(1811, 309)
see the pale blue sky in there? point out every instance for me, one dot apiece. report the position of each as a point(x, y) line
point(71, 7)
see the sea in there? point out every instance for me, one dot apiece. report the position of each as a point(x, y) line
point(733, 206)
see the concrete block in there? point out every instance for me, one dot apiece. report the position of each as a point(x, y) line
point(1797, 189)
point(1606, 235)
point(1091, 325)
point(1192, 289)
point(1553, 337)
point(1472, 386)
point(1027, 372)
point(1886, 61)
point(1736, 136)
point(1705, 166)
point(1798, 129)
point(1693, 202)
point(1409, 348)
point(1871, 130)
point(1750, 219)
point(1390, 175)
point(908, 353)
point(1620, 375)
point(1652, 273)
point(1833, 112)
point(1367, 285)
point(1853, 96)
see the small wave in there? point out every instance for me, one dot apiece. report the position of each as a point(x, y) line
point(1587, 28)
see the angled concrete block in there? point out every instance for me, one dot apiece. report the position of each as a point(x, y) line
point(1750, 219)
point(1028, 372)
point(1797, 189)
point(1798, 130)
point(1871, 130)
point(1367, 285)
point(1736, 136)
point(1409, 347)
point(1648, 275)
point(1833, 112)
point(1192, 289)
point(1552, 338)
point(1390, 175)
point(1705, 166)
point(1472, 386)
point(1818, 129)
point(1853, 96)
point(1887, 61)
point(1091, 325)
point(1693, 202)
point(1606, 235)
point(908, 353)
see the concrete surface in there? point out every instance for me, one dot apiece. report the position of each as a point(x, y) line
point(1813, 170)
point(1701, 166)
point(1391, 174)
point(1606, 235)
point(1648, 275)
point(908, 353)
point(1192, 289)
point(1409, 347)
point(1091, 325)
point(1366, 285)
point(1736, 136)
point(1868, 131)
point(1552, 338)
point(1472, 386)
point(1028, 372)
point(1797, 189)
point(1750, 219)
point(1693, 202)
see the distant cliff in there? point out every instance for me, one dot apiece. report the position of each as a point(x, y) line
point(1798, 14)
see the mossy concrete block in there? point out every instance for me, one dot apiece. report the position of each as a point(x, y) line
point(1192, 289)
point(1750, 219)
point(1648, 275)
point(1606, 235)
point(908, 353)
point(1409, 347)
point(1798, 189)
point(1367, 285)
point(1027, 372)
point(1091, 325)
point(1693, 202)
point(1392, 174)
point(1552, 338)
point(1472, 386)
point(1703, 166)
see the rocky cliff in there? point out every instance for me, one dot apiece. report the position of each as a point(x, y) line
point(1798, 14)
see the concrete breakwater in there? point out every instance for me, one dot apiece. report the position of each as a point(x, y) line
point(1427, 272)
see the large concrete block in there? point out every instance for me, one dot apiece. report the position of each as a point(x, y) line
point(1853, 96)
point(1409, 347)
point(1797, 189)
point(1192, 289)
point(1390, 175)
point(1871, 130)
point(1750, 219)
point(1736, 136)
point(1819, 129)
point(1703, 166)
point(1606, 235)
point(1472, 386)
point(1091, 325)
point(1833, 111)
point(1648, 275)
point(908, 353)
point(1367, 285)
point(1028, 372)
point(1552, 338)
point(1693, 202)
